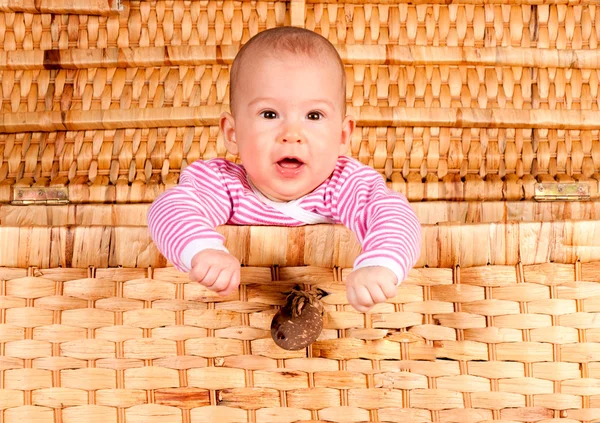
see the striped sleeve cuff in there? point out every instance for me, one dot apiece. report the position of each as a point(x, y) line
point(384, 262)
point(194, 247)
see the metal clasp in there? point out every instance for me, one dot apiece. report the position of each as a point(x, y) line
point(563, 191)
point(40, 195)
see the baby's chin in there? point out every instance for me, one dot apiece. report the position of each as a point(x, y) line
point(282, 195)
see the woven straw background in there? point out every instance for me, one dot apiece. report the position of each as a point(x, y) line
point(468, 101)
point(474, 100)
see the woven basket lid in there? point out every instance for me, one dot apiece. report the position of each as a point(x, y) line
point(474, 100)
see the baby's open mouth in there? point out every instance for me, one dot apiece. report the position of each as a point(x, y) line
point(290, 163)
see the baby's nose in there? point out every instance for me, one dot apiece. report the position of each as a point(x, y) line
point(292, 138)
point(292, 135)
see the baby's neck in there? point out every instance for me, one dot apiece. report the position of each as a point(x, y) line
point(277, 200)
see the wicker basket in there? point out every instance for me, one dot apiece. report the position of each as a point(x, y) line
point(472, 106)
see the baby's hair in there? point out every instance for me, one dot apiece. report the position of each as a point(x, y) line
point(291, 40)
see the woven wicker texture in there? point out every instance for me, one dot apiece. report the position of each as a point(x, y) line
point(475, 100)
point(515, 341)
point(462, 101)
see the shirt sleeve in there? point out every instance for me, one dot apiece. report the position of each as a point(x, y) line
point(384, 222)
point(182, 220)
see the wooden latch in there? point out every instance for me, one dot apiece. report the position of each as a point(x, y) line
point(563, 191)
point(40, 195)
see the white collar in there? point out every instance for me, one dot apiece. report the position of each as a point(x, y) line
point(290, 208)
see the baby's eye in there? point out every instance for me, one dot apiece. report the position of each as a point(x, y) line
point(269, 114)
point(315, 116)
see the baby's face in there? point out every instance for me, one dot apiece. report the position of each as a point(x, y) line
point(288, 126)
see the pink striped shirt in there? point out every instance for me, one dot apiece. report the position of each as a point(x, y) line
point(210, 193)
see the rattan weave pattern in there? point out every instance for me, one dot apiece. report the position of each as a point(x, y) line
point(463, 101)
point(368, 85)
point(425, 163)
point(472, 100)
point(516, 343)
point(167, 22)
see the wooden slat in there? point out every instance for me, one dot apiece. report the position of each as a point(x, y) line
point(69, 7)
point(143, 190)
point(366, 116)
point(107, 7)
point(442, 246)
point(298, 13)
point(429, 213)
point(351, 54)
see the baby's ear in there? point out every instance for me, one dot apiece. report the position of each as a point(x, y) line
point(227, 125)
point(348, 126)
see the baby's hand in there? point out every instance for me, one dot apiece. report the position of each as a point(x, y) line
point(217, 270)
point(368, 286)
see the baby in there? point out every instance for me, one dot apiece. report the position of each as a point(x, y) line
point(288, 124)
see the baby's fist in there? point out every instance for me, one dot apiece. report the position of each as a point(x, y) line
point(368, 286)
point(217, 270)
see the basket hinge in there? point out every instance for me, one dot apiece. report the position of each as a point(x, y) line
point(40, 195)
point(565, 191)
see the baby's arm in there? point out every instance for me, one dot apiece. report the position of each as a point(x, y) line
point(182, 223)
point(387, 228)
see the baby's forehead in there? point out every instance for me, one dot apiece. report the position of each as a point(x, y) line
point(323, 61)
point(304, 49)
